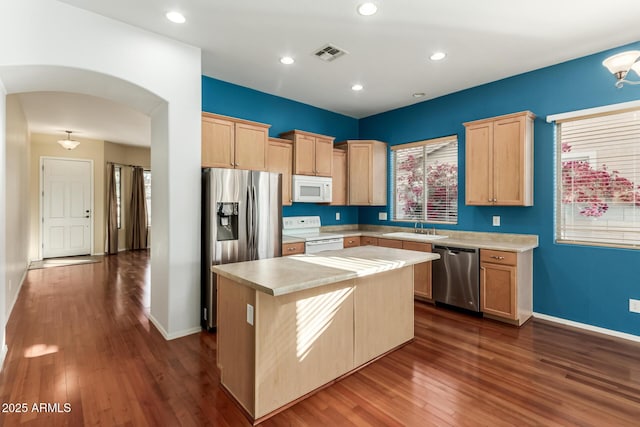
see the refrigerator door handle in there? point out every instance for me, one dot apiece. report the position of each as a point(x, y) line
point(254, 226)
point(249, 224)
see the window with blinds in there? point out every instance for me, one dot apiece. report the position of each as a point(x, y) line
point(425, 181)
point(598, 177)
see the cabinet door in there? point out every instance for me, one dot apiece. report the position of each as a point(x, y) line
point(304, 153)
point(324, 156)
point(498, 290)
point(251, 147)
point(508, 161)
point(479, 167)
point(218, 138)
point(421, 272)
point(360, 174)
point(339, 178)
point(280, 160)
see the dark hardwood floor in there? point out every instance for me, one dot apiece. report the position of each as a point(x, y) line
point(79, 335)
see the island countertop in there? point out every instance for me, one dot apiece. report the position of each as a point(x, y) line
point(285, 275)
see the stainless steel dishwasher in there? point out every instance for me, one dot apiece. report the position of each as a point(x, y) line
point(456, 277)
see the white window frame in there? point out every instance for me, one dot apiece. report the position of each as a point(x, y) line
point(424, 215)
point(598, 237)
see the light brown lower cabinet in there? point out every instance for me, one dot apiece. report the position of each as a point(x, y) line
point(292, 248)
point(367, 240)
point(390, 243)
point(421, 272)
point(506, 285)
point(350, 242)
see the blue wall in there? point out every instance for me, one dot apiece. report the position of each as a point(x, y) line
point(283, 115)
point(583, 284)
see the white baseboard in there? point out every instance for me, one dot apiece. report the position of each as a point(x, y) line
point(15, 298)
point(3, 354)
point(167, 336)
point(587, 327)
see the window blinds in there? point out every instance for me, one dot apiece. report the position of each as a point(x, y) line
point(598, 177)
point(425, 177)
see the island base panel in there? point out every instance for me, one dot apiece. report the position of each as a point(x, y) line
point(236, 342)
point(303, 341)
point(383, 313)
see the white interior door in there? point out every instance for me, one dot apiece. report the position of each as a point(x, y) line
point(66, 207)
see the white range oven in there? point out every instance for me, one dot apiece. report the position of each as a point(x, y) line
point(308, 228)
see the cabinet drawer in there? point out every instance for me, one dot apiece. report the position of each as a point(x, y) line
point(350, 242)
point(416, 246)
point(292, 248)
point(366, 240)
point(498, 257)
point(390, 243)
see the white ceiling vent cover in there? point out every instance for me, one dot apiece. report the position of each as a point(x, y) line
point(329, 52)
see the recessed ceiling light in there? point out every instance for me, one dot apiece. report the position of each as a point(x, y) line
point(176, 17)
point(367, 9)
point(287, 60)
point(437, 56)
point(418, 95)
point(357, 87)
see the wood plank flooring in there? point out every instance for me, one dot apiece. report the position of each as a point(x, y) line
point(79, 335)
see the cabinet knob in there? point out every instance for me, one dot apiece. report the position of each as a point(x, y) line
point(237, 164)
point(231, 164)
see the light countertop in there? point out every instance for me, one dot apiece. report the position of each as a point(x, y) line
point(463, 239)
point(285, 275)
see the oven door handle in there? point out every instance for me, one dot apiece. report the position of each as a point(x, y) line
point(323, 242)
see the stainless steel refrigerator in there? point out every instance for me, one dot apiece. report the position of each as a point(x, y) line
point(241, 221)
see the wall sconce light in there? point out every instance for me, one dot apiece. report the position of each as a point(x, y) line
point(621, 64)
point(68, 144)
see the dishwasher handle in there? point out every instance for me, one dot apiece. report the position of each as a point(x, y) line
point(456, 251)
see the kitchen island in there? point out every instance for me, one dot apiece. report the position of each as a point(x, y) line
point(288, 326)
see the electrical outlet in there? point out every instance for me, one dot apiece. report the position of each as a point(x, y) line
point(337, 216)
point(382, 216)
point(250, 314)
point(496, 221)
point(634, 305)
point(10, 285)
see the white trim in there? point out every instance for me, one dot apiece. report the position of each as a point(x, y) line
point(178, 334)
point(3, 354)
point(15, 298)
point(41, 197)
point(587, 327)
point(593, 111)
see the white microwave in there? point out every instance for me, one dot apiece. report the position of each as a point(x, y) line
point(311, 189)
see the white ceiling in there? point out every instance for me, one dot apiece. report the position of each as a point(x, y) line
point(242, 41)
point(86, 116)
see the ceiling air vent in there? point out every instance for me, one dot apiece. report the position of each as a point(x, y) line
point(329, 52)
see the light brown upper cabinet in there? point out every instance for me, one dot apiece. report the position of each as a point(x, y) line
point(339, 178)
point(499, 160)
point(366, 172)
point(280, 160)
point(312, 153)
point(233, 143)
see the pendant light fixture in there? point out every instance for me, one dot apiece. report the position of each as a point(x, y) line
point(68, 144)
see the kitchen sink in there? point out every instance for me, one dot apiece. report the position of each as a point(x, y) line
point(425, 237)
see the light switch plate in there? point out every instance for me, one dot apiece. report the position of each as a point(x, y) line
point(382, 216)
point(496, 221)
point(337, 216)
point(250, 314)
point(634, 305)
